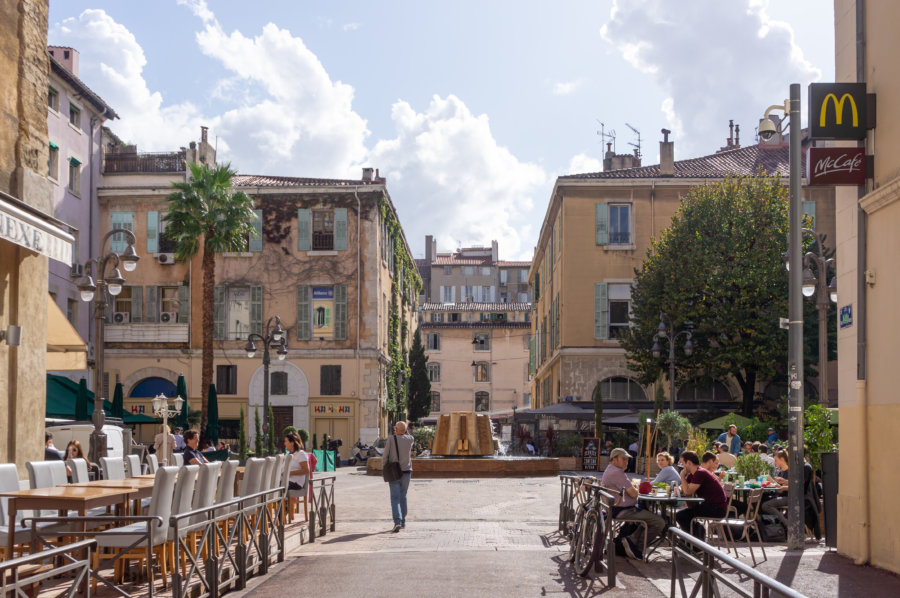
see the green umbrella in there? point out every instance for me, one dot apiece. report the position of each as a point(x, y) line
point(181, 391)
point(81, 401)
point(212, 416)
point(118, 403)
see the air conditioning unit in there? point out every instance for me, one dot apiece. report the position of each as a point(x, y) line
point(166, 259)
point(168, 317)
point(121, 317)
point(77, 270)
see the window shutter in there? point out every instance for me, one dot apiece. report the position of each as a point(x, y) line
point(531, 356)
point(304, 331)
point(453, 294)
point(340, 229)
point(809, 209)
point(152, 232)
point(220, 378)
point(256, 309)
point(493, 293)
point(601, 311)
point(118, 244)
point(602, 223)
point(184, 304)
point(151, 311)
point(256, 240)
point(443, 299)
point(340, 312)
point(137, 296)
point(219, 312)
point(304, 230)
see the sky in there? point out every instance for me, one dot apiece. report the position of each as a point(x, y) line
point(470, 109)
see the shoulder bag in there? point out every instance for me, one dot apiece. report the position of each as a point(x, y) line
point(390, 471)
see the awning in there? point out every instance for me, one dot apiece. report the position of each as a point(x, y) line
point(65, 348)
point(28, 227)
point(61, 393)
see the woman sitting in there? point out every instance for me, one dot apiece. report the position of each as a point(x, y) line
point(667, 472)
point(299, 461)
point(75, 451)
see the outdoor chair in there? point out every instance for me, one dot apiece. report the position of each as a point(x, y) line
point(79, 469)
point(747, 523)
point(275, 475)
point(225, 493)
point(294, 497)
point(252, 484)
point(708, 523)
point(178, 459)
point(113, 468)
point(46, 474)
point(9, 482)
point(142, 538)
point(152, 463)
point(133, 463)
point(181, 503)
point(204, 495)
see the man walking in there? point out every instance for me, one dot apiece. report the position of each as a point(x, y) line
point(614, 478)
point(731, 439)
point(399, 448)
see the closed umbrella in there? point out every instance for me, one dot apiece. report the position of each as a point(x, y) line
point(118, 404)
point(181, 391)
point(212, 416)
point(81, 401)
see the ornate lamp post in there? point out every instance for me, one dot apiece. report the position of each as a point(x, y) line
point(107, 282)
point(274, 335)
point(160, 404)
point(667, 331)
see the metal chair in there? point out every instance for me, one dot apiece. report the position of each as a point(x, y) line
point(708, 523)
point(746, 523)
point(79, 469)
point(113, 468)
point(152, 463)
point(133, 463)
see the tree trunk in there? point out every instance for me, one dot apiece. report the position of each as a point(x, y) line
point(208, 262)
point(748, 385)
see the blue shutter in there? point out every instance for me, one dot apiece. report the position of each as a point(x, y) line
point(304, 331)
point(602, 223)
point(340, 312)
point(153, 232)
point(601, 311)
point(340, 229)
point(256, 240)
point(219, 312)
point(256, 309)
point(304, 230)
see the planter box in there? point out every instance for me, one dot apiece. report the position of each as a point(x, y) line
point(569, 463)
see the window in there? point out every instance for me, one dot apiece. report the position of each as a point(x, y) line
point(618, 318)
point(278, 385)
point(482, 401)
point(448, 270)
point(168, 305)
point(435, 401)
point(809, 209)
point(468, 270)
point(712, 392)
point(322, 230)
point(72, 311)
point(447, 294)
point(53, 99)
point(504, 276)
point(330, 379)
point(454, 317)
point(323, 309)
point(434, 372)
point(621, 389)
point(74, 116)
point(123, 305)
point(619, 224)
point(486, 271)
point(523, 276)
point(522, 298)
point(74, 176)
point(237, 313)
point(437, 317)
point(434, 341)
point(226, 379)
point(53, 161)
point(482, 371)
point(125, 220)
point(482, 342)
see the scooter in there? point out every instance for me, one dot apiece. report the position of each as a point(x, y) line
point(360, 453)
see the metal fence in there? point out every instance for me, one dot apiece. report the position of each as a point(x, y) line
point(144, 162)
point(569, 485)
point(23, 575)
point(322, 508)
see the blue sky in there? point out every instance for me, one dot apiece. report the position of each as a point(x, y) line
point(471, 109)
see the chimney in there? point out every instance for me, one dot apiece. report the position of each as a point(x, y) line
point(367, 174)
point(495, 252)
point(429, 248)
point(207, 154)
point(737, 136)
point(68, 57)
point(730, 133)
point(666, 155)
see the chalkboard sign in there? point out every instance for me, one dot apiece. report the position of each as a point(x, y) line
point(590, 448)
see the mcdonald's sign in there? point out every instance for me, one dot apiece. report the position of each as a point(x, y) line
point(837, 111)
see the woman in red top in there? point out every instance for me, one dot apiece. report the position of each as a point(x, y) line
point(696, 481)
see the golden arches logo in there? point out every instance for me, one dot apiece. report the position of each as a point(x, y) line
point(838, 109)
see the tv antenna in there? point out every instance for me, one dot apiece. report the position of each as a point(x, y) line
point(607, 137)
point(637, 145)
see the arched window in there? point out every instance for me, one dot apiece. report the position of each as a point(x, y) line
point(619, 388)
point(714, 392)
point(150, 387)
point(482, 401)
point(435, 401)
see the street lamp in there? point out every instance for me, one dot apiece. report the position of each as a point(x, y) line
point(160, 406)
point(274, 335)
point(664, 331)
point(96, 291)
point(767, 129)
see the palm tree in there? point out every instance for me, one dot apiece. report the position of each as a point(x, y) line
point(207, 216)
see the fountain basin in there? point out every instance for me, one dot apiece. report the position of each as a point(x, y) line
point(475, 467)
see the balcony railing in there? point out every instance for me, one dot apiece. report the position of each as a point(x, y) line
point(144, 162)
point(322, 241)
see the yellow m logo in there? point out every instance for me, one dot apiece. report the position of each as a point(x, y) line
point(838, 109)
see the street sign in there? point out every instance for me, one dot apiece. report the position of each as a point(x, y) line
point(836, 166)
point(837, 111)
point(846, 318)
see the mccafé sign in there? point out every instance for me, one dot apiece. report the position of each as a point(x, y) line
point(836, 166)
point(837, 111)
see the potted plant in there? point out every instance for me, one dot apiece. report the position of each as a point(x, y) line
point(751, 466)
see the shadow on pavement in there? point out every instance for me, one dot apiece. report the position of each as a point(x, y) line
point(572, 584)
point(351, 537)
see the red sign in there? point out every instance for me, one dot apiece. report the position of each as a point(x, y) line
point(836, 166)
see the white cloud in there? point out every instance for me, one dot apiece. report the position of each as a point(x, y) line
point(199, 8)
point(351, 26)
point(582, 163)
point(713, 62)
point(564, 88)
point(450, 177)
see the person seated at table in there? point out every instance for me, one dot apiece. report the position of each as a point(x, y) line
point(774, 506)
point(615, 479)
point(748, 447)
point(696, 481)
point(192, 456)
point(179, 439)
point(709, 462)
point(724, 457)
point(667, 472)
point(51, 453)
point(765, 456)
point(293, 444)
point(75, 451)
point(607, 449)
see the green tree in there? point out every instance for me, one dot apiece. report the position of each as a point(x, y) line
point(718, 266)
point(206, 216)
point(659, 397)
point(598, 411)
point(258, 440)
point(673, 425)
point(418, 399)
point(242, 438)
point(270, 434)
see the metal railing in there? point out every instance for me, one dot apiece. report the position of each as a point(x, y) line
point(569, 487)
point(144, 162)
point(686, 549)
point(21, 576)
point(322, 241)
point(322, 509)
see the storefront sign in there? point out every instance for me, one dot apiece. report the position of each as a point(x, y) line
point(332, 409)
point(836, 166)
point(590, 449)
point(19, 227)
point(846, 319)
point(837, 111)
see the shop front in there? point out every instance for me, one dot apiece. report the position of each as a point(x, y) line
point(338, 419)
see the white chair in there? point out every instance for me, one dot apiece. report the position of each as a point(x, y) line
point(181, 503)
point(225, 489)
point(46, 474)
point(9, 482)
point(79, 469)
point(253, 471)
point(133, 463)
point(113, 468)
point(152, 463)
point(178, 459)
point(204, 495)
point(135, 540)
point(295, 496)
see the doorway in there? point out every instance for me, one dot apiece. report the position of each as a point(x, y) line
point(282, 417)
point(336, 428)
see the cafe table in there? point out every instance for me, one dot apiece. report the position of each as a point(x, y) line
point(667, 505)
point(142, 486)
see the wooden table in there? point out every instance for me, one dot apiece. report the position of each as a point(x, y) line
point(143, 487)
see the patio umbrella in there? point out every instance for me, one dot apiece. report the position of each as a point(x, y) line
point(181, 391)
point(212, 416)
point(81, 401)
point(118, 403)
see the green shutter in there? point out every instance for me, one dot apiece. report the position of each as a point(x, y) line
point(340, 229)
point(304, 230)
point(531, 356)
point(304, 331)
point(601, 311)
point(137, 296)
point(256, 240)
point(809, 209)
point(602, 223)
point(184, 304)
point(340, 312)
point(151, 312)
point(152, 232)
point(219, 312)
point(256, 309)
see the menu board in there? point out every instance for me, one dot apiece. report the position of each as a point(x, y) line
point(590, 449)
